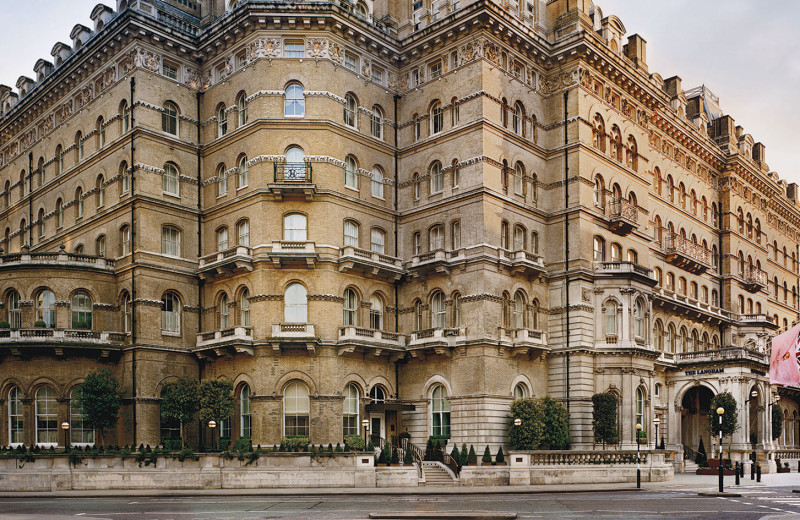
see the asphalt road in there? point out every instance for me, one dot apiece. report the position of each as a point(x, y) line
point(675, 505)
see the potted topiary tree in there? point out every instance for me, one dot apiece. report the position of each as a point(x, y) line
point(486, 460)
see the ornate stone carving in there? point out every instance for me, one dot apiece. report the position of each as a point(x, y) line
point(317, 48)
point(264, 48)
point(146, 60)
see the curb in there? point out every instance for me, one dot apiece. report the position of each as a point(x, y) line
point(718, 494)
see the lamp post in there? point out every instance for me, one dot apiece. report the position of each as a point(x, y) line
point(638, 471)
point(65, 427)
point(365, 425)
point(213, 425)
point(720, 412)
point(656, 423)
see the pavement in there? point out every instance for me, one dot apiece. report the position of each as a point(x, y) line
point(681, 482)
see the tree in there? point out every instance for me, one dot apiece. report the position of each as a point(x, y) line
point(530, 433)
point(216, 400)
point(556, 424)
point(604, 418)
point(101, 400)
point(730, 419)
point(777, 421)
point(180, 401)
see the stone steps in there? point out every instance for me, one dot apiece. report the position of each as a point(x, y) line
point(436, 475)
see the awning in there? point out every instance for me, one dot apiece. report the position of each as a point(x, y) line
point(391, 406)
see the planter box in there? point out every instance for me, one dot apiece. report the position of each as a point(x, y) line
point(784, 470)
point(709, 471)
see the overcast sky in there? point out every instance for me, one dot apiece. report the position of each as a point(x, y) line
point(745, 51)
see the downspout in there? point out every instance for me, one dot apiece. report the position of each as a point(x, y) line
point(396, 252)
point(719, 269)
point(30, 199)
point(566, 240)
point(201, 282)
point(133, 265)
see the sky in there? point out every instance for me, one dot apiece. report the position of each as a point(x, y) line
point(745, 51)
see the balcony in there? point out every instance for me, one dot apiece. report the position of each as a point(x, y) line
point(287, 253)
point(628, 270)
point(757, 320)
point(16, 340)
point(755, 280)
point(349, 337)
point(685, 254)
point(370, 263)
point(691, 308)
point(440, 261)
point(623, 216)
point(524, 262)
point(293, 180)
point(287, 334)
point(723, 354)
point(524, 341)
point(61, 259)
point(225, 341)
point(440, 339)
point(239, 257)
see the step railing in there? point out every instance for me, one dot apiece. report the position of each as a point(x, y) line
point(416, 453)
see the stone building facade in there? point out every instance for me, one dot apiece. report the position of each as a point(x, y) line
point(407, 212)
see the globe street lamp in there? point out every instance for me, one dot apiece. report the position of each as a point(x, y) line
point(656, 423)
point(65, 427)
point(720, 411)
point(517, 421)
point(638, 471)
point(213, 425)
point(365, 425)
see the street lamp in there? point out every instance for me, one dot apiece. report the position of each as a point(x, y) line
point(517, 421)
point(638, 471)
point(656, 423)
point(213, 425)
point(365, 425)
point(65, 427)
point(720, 412)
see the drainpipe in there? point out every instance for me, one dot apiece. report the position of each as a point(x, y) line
point(396, 253)
point(133, 267)
point(719, 269)
point(30, 199)
point(566, 238)
point(201, 283)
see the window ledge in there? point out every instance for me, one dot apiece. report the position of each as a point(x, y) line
point(352, 188)
point(170, 334)
point(171, 195)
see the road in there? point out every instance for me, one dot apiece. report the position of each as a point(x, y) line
point(673, 504)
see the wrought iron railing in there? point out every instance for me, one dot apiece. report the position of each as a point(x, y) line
point(624, 209)
point(293, 172)
point(675, 243)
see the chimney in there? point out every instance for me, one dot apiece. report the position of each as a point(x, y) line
point(672, 86)
point(759, 153)
point(636, 51)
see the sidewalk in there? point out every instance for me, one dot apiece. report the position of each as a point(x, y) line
point(683, 482)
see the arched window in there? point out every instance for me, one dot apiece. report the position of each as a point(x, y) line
point(437, 117)
point(520, 391)
point(125, 240)
point(376, 312)
point(440, 411)
point(350, 308)
point(223, 312)
point(171, 182)
point(42, 175)
point(244, 308)
point(125, 116)
point(611, 318)
point(241, 109)
point(632, 157)
point(294, 227)
point(376, 240)
point(438, 312)
point(658, 336)
point(295, 166)
point(244, 172)
point(59, 214)
point(377, 182)
point(78, 203)
point(415, 181)
point(350, 111)
point(170, 241)
point(78, 146)
point(13, 311)
point(520, 235)
point(437, 177)
point(436, 238)
point(46, 416)
point(243, 233)
point(245, 415)
point(350, 424)
point(616, 143)
point(100, 189)
point(80, 432)
point(81, 311)
point(639, 321)
point(46, 308)
point(377, 394)
point(295, 304)
point(295, 409)
point(222, 238)
point(294, 103)
point(535, 243)
point(170, 313)
point(599, 192)
point(504, 238)
point(125, 185)
point(127, 312)
point(417, 315)
point(376, 122)
point(170, 427)
point(672, 339)
point(518, 316)
point(598, 249)
point(616, 252)
point(457, 310)
point(350, 172)
point(518, 119)
point(350, 233)
point(222, 181)
point(169, 118)
point(519, 179)
point(454, 111)
point(101, 132)
point(16, 420)
point(417, 127)
point(640, 408)
point(599, 133)
point(504, 112)
point(59, 160)
point(222, 121)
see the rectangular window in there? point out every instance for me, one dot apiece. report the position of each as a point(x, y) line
point(170, 241)
point(126, 240)
point(376, 241)
point(293, 49)
point(350, 234)
point(351, 61)
point(241, 61)
point(455, 235)
point(169, 70)
point(377, 74)
point(435, 69)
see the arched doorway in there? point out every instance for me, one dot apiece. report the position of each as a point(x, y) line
point(755, 435)
point(696, 402)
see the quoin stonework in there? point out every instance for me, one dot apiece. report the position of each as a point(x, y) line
point(410, 212)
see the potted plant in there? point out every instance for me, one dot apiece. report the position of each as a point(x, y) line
point(486, 460)
point(500, 458)
point(408, 459)
point(5, 325)
point(472, 458)
point(40, 324)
